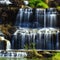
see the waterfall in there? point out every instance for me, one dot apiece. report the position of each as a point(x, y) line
point(51, 17)
point(39, 16)
point(23, 40)
point(27, 16)
point(53, 20)
point(40, 40)
point(7, 42)
point(5, 2)
point(57, 42)
point(33, 36)
point(27, 42)
point(34, 40)
point(8, 47)
point(50, 40)
point(46, 40)
point(23, 17)
point(26, 2)
point(19, 17)
point(37, 27)
point(45, 18)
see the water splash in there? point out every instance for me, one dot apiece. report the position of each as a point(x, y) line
point(51, 17)
point(57, 42)
point(42, 22)
point(35, 38)
point(5, 43)
point(23, 18)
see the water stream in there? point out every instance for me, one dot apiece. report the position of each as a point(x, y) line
point(37, 28)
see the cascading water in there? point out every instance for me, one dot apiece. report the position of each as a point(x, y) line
point(51, 17)
point(37, 29)
point(40, 17)
point(45, 18)
point(5, 44)
point(8, 46)
point(57, 43)
point(19, 17)
point(7, 2)
point(40, 39)
point(23, 18)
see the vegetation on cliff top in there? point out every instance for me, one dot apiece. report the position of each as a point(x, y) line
point(38, 4)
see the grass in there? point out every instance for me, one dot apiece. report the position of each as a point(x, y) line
point(4, 58)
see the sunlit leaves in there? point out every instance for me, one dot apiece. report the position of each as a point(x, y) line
point(56, 57)
point(37, 4)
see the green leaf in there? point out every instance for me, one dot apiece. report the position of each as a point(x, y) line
point(38, 3)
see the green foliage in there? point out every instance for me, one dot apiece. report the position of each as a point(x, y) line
point(58, 7)
point(38, 4)
point(26, 46)
point(31, 46)
point(56, 57)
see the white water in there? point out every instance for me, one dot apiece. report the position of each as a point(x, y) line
point(8, 44)
point(42, 37)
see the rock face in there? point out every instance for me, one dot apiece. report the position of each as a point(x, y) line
point(2, 45)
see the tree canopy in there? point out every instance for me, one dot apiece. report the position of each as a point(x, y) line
point(37, 4)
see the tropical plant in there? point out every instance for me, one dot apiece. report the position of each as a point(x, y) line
point(38, 4)
point(57, 56)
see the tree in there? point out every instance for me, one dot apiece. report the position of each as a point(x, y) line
point(37, 4)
